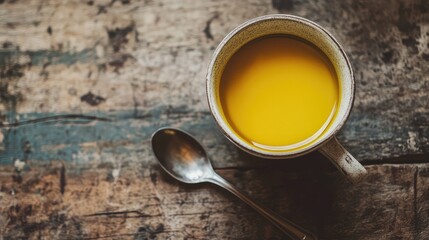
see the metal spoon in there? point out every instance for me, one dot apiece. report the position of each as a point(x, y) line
point(183, 157)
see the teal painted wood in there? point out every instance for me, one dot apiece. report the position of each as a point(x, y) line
point(129, 132)
point(66, 139)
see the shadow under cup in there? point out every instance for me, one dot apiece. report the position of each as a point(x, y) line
point(281, 25)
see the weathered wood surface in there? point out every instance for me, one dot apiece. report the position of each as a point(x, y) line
point(142, 65)
point(147, 63)
point(135, 202)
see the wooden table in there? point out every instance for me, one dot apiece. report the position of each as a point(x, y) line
point(117, 70)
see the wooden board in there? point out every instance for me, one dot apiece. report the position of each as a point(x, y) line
point(84, 84)
point(143, 65)
point(142, 202)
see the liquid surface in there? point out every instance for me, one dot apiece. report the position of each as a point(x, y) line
point(279, 93)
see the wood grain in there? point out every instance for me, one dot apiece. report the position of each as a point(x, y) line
point(144, 61)
point(110, 72)
point(142, 202)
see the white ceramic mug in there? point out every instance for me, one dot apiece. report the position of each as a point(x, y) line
point(305, 29)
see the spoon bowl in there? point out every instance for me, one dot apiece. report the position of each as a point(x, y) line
point(183, 157)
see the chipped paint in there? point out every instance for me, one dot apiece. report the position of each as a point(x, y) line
point(115, 174)
point(128, 133)
point(411, 141)
point(89, 141)
point(19, 165)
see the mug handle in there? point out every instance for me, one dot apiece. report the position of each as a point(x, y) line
point(343, 160)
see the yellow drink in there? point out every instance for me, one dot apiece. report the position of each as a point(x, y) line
point(279, 93)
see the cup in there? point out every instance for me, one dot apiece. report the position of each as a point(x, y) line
point(282, 24)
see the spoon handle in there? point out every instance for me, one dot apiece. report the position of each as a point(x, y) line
point(289, 228)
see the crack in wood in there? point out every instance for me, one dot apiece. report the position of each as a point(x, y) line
point(139, 214)
point(62, 178)
point(201, 213)
point(53, 119)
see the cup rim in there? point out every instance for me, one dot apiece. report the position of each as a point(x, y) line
point(215, 111)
